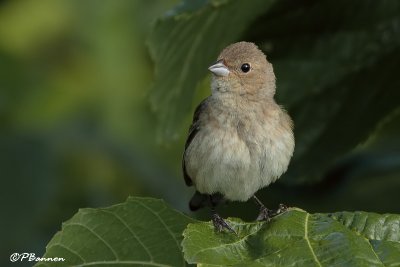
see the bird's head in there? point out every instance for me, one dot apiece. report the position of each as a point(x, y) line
point(243, 69)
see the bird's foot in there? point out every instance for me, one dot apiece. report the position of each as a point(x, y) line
point(220, 224)
point(281, 209)
point(267, 214)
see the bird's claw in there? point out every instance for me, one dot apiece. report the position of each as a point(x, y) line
point(266, 214)
point(220, 224)
point(281, 209)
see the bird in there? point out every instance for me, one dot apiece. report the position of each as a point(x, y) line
point(240, 139)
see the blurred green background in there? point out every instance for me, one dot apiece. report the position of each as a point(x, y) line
point(96, 98)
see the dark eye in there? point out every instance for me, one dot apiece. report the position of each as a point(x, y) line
point(245, 67)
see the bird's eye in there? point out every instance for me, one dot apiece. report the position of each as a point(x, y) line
point(245, 67)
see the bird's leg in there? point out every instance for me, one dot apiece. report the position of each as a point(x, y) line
point(219, 223)
point(265, 213)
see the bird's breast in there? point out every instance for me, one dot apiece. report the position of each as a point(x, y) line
point(237, 154)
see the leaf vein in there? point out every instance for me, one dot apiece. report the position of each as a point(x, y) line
point(132, 232)
point(68, 249)
point(96, 235)
point(373, 251)
point(308, 240)
point(243, 239)
point(166, 227)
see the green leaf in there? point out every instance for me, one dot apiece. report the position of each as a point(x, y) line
point(184, 43)
point(346, 117)
point(139, 232)
point(297, 238)
point(147, 232)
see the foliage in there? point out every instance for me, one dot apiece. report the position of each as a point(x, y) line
point(147, 232)
point(298, 238)
point(141, 231)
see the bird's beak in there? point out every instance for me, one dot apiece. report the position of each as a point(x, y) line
point(219, 68)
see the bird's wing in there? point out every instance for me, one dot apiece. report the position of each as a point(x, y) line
point(193, 130)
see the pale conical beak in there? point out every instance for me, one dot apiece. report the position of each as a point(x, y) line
point(219, 68)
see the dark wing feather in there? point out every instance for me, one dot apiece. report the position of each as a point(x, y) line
point(193, 130)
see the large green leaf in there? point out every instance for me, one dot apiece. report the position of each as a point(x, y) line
point(139, 232)
point(334, 122)
point(184, 43)
point(297, 238)
point(147, 232)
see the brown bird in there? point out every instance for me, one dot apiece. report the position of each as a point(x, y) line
point(240, 139)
